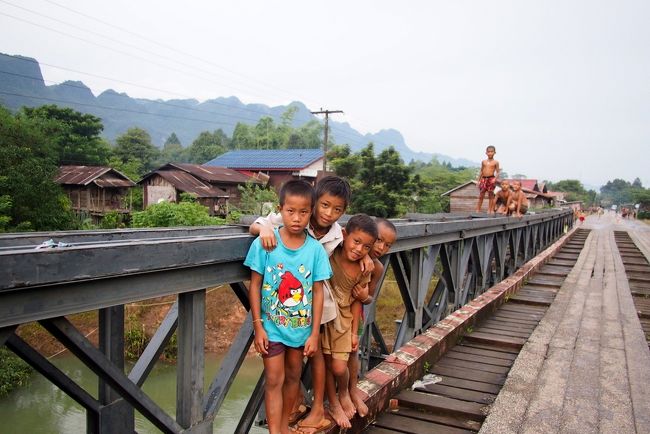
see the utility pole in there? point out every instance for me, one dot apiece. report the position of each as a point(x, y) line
point(327, 114)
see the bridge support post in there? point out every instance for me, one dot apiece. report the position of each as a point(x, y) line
point(116, 416)
point(191, 362)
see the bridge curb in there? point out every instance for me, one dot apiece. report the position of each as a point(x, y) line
point(406, 365)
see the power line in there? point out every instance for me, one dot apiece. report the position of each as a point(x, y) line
point(144, 59)
point(110, 108)
point(168, 47)
point(124, 52)
point(74, 86)
point(139, 57)
point(244, 108)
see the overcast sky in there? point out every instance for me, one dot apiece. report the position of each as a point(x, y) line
point(560, 87)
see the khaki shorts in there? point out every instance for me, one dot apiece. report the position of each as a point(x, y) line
point(338, 356)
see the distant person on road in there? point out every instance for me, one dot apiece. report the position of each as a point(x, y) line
point(487, 179)
point(517, 202)
point(501, 198)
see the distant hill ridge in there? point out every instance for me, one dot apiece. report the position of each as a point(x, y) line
point(22, 84)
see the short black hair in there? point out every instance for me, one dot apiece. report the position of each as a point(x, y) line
point(491, 147)
point(364, 223)
point(336, 186)
point(297, 187)
point(389, 224)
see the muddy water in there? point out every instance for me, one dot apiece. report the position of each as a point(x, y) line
point(41, 408)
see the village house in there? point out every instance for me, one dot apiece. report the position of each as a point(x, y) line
point(215, 187)
point(464, 197)
point(280, 165)
point(95, 190)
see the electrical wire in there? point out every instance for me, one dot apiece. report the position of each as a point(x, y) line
point(334, 128)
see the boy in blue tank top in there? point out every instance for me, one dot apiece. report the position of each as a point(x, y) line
point(286, 299)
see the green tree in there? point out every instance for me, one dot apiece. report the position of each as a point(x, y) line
point(207, 146)
point(264, 133)
point(381, 185)
point(172, 140)
point(135, 144)
point(30, 198)
point(242, 137)
point(574, 190)
point(74, 137)
point(173, 151)
point(642, 197)
point(254, 197)
point(343, 161)
point(436, 179)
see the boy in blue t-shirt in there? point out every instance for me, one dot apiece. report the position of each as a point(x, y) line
point(286, 298)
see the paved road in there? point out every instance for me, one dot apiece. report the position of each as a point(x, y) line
point(586, 368)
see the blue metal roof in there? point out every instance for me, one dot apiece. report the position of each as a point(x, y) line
point(267, 159)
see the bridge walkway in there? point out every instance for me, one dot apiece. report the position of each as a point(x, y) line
point(586, 366)
point(455, 396)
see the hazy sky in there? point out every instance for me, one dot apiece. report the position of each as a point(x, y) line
point(560, 87)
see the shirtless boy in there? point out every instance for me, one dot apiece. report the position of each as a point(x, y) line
point(487, 179)
point(517, 202)
point(501, 198)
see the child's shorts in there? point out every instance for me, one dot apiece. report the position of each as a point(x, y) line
point(276, 348)
point(487, 183)
point(337, 355)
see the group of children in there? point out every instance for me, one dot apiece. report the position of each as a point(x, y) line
point(510, 200)
point(309, 281)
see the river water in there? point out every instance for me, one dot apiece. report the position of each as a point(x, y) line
point(41, 408)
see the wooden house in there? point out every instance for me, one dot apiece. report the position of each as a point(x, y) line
point(280, 165)
point(464, 198)
point(96, 190)
point(215, 187)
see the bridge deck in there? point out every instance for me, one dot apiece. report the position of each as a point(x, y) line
point(586, 368)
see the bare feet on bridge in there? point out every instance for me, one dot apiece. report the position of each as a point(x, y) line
point(348, 406)
point(357, 400)
point(337, 413)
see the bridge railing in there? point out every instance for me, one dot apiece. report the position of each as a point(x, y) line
point(439, 262)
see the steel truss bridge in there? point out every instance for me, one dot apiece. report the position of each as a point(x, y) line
point(439, 262)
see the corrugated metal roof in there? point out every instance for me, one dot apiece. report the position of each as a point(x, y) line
point(528, 184)
point(100, 175)
point(188, 183)
point(267, 159)
point(213, 173)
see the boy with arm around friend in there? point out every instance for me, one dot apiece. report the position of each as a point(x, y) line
point(286, 302)
point(333, 195)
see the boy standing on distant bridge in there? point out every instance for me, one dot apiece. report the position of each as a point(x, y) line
point(286, 299)
point(487, 179)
